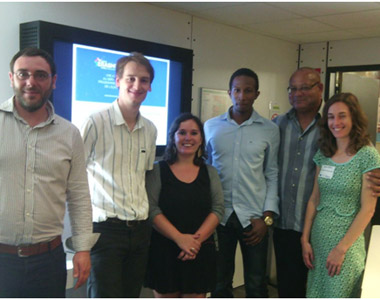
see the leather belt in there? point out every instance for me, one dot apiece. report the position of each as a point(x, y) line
point(29, 250)
point(128, 223)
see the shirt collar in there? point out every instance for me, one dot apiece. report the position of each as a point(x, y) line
point(9, 106)
point(119, 120)
point(291, 114)
point(255, 117)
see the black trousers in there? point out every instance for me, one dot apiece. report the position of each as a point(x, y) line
point(119, 260)
point(291, 270)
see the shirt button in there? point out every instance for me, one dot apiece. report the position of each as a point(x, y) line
point(293, 185)
point(298, 153)
point(295, 169)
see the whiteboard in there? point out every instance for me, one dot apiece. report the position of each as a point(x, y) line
point(213, 103)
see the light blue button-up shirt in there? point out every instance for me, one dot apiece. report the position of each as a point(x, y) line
point(245, 156)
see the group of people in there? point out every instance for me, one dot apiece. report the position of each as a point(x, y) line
point(174, 225)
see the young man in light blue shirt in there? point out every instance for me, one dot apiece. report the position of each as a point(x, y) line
point(243, 147)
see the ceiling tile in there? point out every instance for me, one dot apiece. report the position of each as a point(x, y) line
point(191, 7)
point(299, 22)
point(319, 36)
point(367, 32)
point(291, 27)
point(245, 13)
point(353, 20)
point(312, 9)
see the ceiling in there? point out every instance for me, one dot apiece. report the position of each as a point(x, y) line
point(299, 22)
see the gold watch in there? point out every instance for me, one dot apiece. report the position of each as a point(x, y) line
point(268, 221)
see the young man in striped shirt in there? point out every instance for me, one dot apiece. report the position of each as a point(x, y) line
point(120, 147)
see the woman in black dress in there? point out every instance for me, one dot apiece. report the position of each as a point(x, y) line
point(186, 205)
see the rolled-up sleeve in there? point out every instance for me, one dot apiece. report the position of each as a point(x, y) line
point(78, 201)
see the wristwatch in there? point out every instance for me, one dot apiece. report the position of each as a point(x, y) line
point(268, 220)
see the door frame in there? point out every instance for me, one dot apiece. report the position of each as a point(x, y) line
point(329, 70)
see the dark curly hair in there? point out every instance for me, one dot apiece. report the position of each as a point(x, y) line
point(244, 72)
point(170, 155)
point(359, 136)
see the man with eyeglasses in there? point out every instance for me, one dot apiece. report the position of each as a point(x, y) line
point(42, 170)
point(299, 135)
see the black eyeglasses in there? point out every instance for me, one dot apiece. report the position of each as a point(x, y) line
point(38, 75)
point(293, 90)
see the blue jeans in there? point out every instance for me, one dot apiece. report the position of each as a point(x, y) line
point(37, 276)
point(254, 261)
point(119, 260)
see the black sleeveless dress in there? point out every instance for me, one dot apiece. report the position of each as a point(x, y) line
point(186, 206)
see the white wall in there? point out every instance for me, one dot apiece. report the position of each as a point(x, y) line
point(354, 52)
point(314, 55)
point(219, 50)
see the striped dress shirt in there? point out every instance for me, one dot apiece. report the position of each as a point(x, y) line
point(41, 169)
point(296, 169)
point(117, 160)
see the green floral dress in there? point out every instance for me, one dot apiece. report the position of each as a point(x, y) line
point(340, 191)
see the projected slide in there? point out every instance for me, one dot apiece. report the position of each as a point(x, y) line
point(94, 86)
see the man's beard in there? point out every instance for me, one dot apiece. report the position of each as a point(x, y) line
point(31, 107)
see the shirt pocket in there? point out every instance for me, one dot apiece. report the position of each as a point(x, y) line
point(142, 159)
point(254, 150)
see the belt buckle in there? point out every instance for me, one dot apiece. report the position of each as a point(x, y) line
point(131, 223)
point(19, 252)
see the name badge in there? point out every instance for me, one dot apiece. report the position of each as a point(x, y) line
point(327, 172)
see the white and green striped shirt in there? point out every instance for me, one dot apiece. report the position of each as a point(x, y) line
point(117, 160)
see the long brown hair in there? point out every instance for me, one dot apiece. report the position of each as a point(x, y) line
point(359, 136)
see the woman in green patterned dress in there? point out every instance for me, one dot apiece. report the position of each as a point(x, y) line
point(342, 204)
